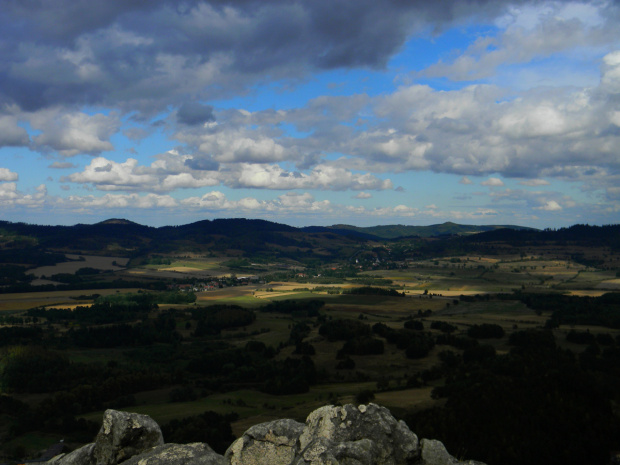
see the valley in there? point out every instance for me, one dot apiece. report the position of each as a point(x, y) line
point(414, 324)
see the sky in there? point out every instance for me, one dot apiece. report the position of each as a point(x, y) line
point(310, 112)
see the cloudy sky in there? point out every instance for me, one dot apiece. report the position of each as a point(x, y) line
point(310, 112)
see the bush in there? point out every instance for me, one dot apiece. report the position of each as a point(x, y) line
point(364, 346)
point(580, 337)
point(419, 346)
point(443, 326)
point(486, 331)
point(414, 324)
point(346, 364)
point(365, 396)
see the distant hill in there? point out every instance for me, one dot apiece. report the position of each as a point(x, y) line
point(444, 229)
point(352, 231)
point(258, 239)
point(607, 235)
point(266, 242)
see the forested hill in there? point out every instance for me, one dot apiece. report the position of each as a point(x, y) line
point(252, 237)
point(130, 234)
point(444, 229)
point(126, 238)
point(586, 235)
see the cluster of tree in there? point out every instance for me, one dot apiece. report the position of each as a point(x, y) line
point(575, 310)
point(80, 276)
point(20, 335)
point(16, 320)
point(415, 343)
point(443, 326)
point(213, 319)
point(559, 409)
point(12, 274)
point(33, 369)
point(369, 290)
point(125, 335)
point(97, 314)
point(149, 298)
point(458, 342)
point(586, 337)
point(414, 324)
point(31, 256)
point(85, 285)
point(486, 331)
point(299, 331)
point(254, 366)
point(304, 348)
point(289, 376)
point(361, 346)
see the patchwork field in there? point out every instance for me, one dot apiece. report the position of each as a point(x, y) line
point(81, 261)
point(430, 292)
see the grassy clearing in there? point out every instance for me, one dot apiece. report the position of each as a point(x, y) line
point(197, 264)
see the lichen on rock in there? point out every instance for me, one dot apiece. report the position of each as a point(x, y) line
point(124, 435)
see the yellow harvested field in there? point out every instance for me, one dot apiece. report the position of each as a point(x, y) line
point(610, 284)
point(589, 293)
point(267, 295)
point(70, 307)
point(179, 269)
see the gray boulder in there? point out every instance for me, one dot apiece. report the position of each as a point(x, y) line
point(347, 435)
point(433, 452)
point(82, 456)
point(124, 435)
point(269, 443)
point(178, 454)
point(324, 452)
point(364, 434)
point(343, 435)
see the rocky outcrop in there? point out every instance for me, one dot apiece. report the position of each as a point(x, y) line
point(124, 435)
point(332, 435)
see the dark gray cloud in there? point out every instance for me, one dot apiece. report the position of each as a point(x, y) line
point(139, 55)
point(193, 113)
point(62, 165)
point(62, 21)
point(202, 164)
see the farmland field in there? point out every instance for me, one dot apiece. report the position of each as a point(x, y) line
point(81, 261)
